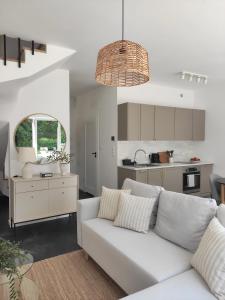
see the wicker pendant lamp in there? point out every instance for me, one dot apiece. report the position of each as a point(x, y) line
point(122, 63)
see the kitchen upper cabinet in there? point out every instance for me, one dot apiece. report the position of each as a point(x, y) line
point(147, 122)
point(183, 124)
point(155, 177)
point(173, 179)
point(129, 115)
point(198, 125)
point(164, 123)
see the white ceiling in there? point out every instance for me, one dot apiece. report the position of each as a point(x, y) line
point(179, 34)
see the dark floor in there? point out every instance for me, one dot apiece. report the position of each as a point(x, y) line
point(44, 239)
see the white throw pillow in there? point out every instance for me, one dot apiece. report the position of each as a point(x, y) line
point(109, 203)
point(221, 214)
point(209, 259)
point(134, 212)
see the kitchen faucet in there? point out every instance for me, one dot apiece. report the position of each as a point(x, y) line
point(136, 152)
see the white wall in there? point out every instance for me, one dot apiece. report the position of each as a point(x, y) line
point(158, 95)
point(48, 94)
point(213, 148)
point(100, 103)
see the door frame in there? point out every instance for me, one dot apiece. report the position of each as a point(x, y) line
point(95, 193)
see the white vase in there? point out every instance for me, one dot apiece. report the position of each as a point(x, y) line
point(63, 169)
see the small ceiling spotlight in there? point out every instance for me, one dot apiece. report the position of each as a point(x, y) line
point(190, 76)
point(182, 76)
point(198, 79)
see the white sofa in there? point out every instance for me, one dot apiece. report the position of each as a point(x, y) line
point(145, 266)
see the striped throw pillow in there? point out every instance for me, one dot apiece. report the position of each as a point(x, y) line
point(209, 259)
point(134, 212)
point(109, 203)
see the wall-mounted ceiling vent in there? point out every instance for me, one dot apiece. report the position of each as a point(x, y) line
point(13, 49)
point(195, 77)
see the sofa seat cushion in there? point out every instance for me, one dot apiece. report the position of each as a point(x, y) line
point(186, 286)
point(134, 260)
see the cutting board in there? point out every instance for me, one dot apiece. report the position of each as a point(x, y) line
point(163, 157)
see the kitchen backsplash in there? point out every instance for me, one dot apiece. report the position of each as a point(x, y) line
point(183, 151)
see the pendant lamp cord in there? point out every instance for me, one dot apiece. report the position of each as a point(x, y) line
point(122, 20)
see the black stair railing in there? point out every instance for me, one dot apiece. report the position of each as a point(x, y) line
point(13, 49)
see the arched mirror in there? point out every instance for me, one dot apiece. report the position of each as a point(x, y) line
point(42, 132)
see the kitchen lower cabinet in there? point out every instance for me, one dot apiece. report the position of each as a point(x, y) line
point(142, 176)
point(206, 171)
point(155, 177)
point(138, 175)
point(173, 179)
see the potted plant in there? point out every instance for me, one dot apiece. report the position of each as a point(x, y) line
point(62, 158)
point(11, 257)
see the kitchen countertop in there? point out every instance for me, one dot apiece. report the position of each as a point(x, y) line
point(167, 165)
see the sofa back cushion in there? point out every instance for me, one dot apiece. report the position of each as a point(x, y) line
point(183, 219)
point(147, 191)
point(221, 214)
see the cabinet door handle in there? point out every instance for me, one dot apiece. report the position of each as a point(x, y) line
point(63, 193)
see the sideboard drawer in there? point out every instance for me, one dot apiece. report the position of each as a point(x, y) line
point(31, 205)
point(63, 182)
point(29, 186)
point(63, 200)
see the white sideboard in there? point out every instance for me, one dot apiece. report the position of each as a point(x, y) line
point(39, 198)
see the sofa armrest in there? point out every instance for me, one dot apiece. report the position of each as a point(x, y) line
point(86, 209)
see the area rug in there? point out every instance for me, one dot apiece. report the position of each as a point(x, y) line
point(72, 277)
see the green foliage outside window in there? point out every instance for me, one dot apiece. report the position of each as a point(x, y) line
point(23, 136)
point(46, 134)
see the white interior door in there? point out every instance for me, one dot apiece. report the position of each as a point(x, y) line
point(91, 157)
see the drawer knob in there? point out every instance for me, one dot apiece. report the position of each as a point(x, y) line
point(63, 193)
point(63, 182)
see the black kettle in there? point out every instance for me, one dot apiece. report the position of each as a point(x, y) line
point(154, 157)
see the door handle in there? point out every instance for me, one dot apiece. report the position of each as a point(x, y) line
point(95, 154)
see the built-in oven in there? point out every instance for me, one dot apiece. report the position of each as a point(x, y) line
point(191, 180)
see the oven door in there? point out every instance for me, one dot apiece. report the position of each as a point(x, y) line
point(191, 182)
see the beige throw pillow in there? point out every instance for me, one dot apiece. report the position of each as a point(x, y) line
point(209, 259)
point(109, 203)
point(134, 212)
